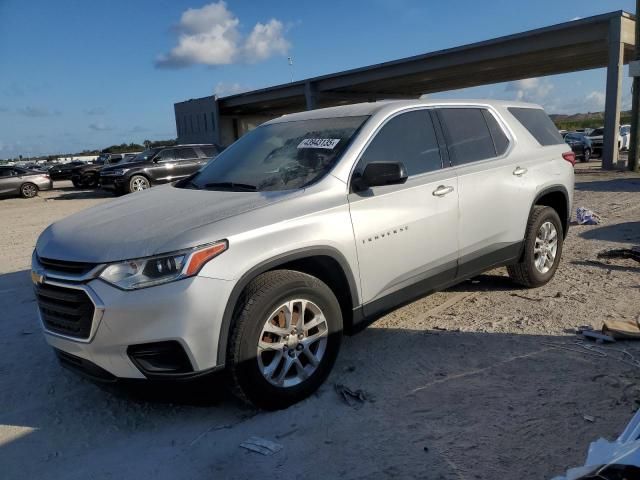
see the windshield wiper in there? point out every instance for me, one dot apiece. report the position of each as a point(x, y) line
point(232, 186)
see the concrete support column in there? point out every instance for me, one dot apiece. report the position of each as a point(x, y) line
point(310, 95)
point(217, 136)
point(613, 96)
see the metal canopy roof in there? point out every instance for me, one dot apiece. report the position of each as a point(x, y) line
point(567, 47)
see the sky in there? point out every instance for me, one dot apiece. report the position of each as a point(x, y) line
point(78, 74)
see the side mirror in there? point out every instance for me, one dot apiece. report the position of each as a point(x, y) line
point(377, 174)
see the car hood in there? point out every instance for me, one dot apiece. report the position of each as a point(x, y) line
point(158, 220)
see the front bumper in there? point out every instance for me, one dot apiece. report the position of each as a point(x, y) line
point(113, 182)
point(188, 311)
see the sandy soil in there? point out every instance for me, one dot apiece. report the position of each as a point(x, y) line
point(480, 381)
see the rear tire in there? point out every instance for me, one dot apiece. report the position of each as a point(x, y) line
point(542, 249)
point(285, 339)
point(28, 190)
point(587, 155)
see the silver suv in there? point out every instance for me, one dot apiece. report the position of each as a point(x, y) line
point(311, 225)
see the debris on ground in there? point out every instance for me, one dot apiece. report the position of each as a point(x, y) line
point(588, 332)
point(589, 418)
point(632, 253)
point(584, 216)
point(353, 398)
point(622, 329)
point(533, 299)
point(261, 446)
point(611, 460)
point(597, 336)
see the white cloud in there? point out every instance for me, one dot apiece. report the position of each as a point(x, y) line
point(594, 101)
point(530, 89)
point(210, 36)
point(37, 112)
point(223, 88)
point(266, 40)
point(95, 111)
point(100, 127)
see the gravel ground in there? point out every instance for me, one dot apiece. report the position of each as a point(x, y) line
point(479, 381)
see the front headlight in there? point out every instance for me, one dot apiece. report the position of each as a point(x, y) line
point(150, 271)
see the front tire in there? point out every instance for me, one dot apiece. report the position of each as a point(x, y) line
point(28, 190)
point(542, 249)
point(285, 339)
point(137, 183)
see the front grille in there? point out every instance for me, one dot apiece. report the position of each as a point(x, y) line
point(67, 311)
point(63, 266)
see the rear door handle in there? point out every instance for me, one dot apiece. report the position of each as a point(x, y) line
point(519, 171)
point(442, 190)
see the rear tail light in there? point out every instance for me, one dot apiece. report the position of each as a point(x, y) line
point(569, 157)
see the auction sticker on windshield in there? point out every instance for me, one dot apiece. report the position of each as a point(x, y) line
point(328, 143)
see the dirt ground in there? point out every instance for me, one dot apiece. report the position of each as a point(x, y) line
point(482, 381)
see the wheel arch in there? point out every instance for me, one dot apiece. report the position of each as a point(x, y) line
point(325, 263)
point(27, 182)
point(557, 198)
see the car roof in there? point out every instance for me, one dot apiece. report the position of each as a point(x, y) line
point(371, 108)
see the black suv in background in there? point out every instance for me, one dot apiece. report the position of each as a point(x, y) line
point(580, 145)
point(88, 175)
point(155, 166)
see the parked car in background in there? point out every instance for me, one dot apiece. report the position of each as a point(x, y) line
point(580, 145)
point(88, 176)
point(20, 181)
point(597, 134)
point(157, 165)
point(63, 171)
point(311, 224)
point(625, 137)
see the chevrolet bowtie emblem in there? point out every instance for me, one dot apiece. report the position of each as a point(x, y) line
point(37, 277)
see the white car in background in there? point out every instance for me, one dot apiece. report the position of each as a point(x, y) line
point(596, 137)
point(624, 137)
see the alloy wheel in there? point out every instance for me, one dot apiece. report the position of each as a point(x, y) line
point(292, 343)
point(29, 190)
point(546, 247)
point(139, 184)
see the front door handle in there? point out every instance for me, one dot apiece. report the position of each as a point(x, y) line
point(519, 171)
point(442, 190)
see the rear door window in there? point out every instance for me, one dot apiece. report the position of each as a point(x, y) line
point(467, 135)
point(538, 123)
point(408, 138)
point(186, 154)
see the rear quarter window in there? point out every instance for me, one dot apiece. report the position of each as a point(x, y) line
point(539, 125)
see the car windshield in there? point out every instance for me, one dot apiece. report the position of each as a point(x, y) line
point(573, 137)
point(279, 156)
point(597, 131)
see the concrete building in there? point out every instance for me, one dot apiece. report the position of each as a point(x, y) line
point(594, 42)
